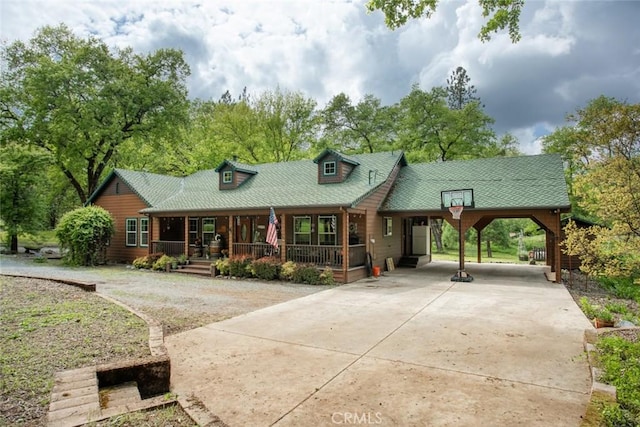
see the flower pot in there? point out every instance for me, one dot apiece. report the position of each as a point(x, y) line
point(601, 323)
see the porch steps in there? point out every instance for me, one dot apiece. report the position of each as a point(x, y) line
point(413, 261)
point(201, 268)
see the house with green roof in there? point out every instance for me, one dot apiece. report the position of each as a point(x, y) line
point(349, 213)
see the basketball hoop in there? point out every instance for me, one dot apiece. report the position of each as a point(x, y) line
point(456, 211)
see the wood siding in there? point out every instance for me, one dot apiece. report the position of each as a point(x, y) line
point(343, 170)
point(384, 246)
point(124, 205)
point(237, 178)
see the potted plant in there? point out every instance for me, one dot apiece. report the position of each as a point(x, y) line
point(603, 319)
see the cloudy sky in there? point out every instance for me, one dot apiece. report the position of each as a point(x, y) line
point(570, 52)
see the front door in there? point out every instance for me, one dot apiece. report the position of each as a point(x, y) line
point(243, 231)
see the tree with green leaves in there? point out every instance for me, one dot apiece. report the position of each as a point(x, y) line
point(79, 101)
point(429, 130)
point(500, 14)
point(274, 126)
point(365, 127)
point(497, 233)
point(287, 122)
point(606, 185)
point(605, 128)
point(23, 184)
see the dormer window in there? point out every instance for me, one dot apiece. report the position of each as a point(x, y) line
point(232, 174)
point(329, 168)
point(334, 167)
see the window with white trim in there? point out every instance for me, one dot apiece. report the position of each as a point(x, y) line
point(208, 230)
point(227, 177)
point(327, 225)
point(131, 231)
point(302, 230)
point(144, 232)
point(387, 226)
point(329, 168)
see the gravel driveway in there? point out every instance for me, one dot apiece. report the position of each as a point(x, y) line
point(180, 301)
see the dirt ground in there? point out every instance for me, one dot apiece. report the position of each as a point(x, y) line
point(179, 301)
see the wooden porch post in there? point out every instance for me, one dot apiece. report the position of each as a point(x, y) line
point(230, 239)
point(151, 236)
point(283, 238)
point(479, 245)
point(345, 245)
point(186, 235)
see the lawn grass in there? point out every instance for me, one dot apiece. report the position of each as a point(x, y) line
point(500, 254)
point(40, 239)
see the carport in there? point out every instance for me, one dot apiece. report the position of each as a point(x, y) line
point(532, 187)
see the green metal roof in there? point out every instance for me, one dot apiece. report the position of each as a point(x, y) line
point(237, 166)
point(339, 155)
point(497, 183)
point(281, 185)
point(150, 187)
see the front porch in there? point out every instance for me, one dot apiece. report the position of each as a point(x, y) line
point(320, 255)
point(334, 240)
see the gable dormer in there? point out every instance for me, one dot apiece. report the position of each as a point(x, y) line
point(231, 174)
point(333, 166)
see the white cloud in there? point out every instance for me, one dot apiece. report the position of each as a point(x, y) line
point(570, 52)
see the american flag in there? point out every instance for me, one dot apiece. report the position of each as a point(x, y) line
point(272, 231)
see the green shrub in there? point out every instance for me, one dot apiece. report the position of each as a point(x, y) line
point(266, 268)
point(306, 273)
point(286, 270)
point(615, 416)
point(620, 363)
point(604, 314)
point(326, 277)
point(615, 307)
point(238, 265)
point(83, 234)
point(222, 265)
point(161, 263)
point(147, 261)
point(588, 309)
point(182, 259)
point(621, 287)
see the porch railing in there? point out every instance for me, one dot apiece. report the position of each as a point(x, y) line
point(316, 254)
point(171, 248)
point(254, 250)
point(320, 255)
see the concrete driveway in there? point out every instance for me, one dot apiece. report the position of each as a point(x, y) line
point(409, 348)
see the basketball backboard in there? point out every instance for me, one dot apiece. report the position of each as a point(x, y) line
point(457, 198)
